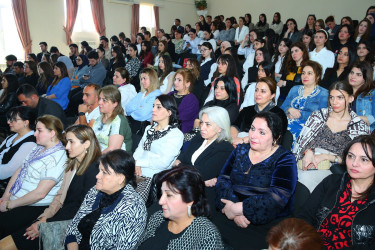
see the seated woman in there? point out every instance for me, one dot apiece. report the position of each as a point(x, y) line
point(340, 71)
point(291, 75)
point(325, 135)
point(361, 80)
point(46, 76)
point(112, 215)
point(139, 109)
point(341, 208)
point(161, 142)
point(264, 96)
point(134, 64)
point(228, 33)
point(303, 100)
point(321, 54)
point(282, 52)
point(112, 128)
point(162, 50)
point(291, 31)
point(362, 31)
point(146, 56)
point(79, 177)
point(308, 39)
point(8, 97)
point(183, 222)
point(31, 73)
point(102, 59)
point(200, 89)
point(34, 185)
point(17, 146)
point(343, 36)
point(225, 97)
point(165, 74)
point(207, 63)
point(256, 185)
point(265, 69)
point(187, 103)
point(83, 65)
point(60, 87)
point(293, 233)
point(121, 79)
point(261, 55)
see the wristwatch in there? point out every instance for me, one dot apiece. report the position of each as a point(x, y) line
point(81, 113)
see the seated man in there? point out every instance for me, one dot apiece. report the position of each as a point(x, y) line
point(18, 70)
point(62, 58)
point(96, 71)
point(10, 59)
point(73, 53)
point(44, 50)
point(193, 42)
point(28, 96)
point(88, 112)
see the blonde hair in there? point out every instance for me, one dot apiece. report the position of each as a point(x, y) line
point(154, 80)
point(53, 123)
point(112, 94)
point(83, 133)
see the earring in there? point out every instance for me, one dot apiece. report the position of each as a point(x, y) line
point(189, 211)
point(274, 143)
point(86, 151)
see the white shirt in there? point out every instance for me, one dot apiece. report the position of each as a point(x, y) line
point(325, 57)
point(216, 34)
point(193, 45)
point(162, 154)
point(164, 85)
point(127, 93)
point(239, 36)
point(213, 43)
point(249, 99)
point(93, 115)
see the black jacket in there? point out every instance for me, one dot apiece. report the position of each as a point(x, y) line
point(322, 201)
point(48, 107)
point(9, 102)
point(211, 160)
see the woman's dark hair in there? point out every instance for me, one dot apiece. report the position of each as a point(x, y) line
point(261, 24)
point(291, 65)
point(350, 31)
point(168, 68)
point(367, 142)
point(188, 182)
point(349, 19)
point(124, 74)
point(33, 66)
point(121, 35)
point(185, 31)
point(45, 77)
point(169, 103)
point(317, 68)
point(114, 38)
point(13, 85)
point(266, 56)
point(133, 46)
point(229, 60)
point(25, 113)
point(295, 24)
point(272, 39)
point(33, 56)
point(196, 67)
point(293, 233)
point(119, 56)
point(64, 73)
point(327, 43)
point(366, 35)
point(249, 16)
point(273, 122)
point(340, 86)
point(122, 163)
point(230, 88)
point(308, 32)
point(101, 49)
point(370, 56)
point(352, 58)
point(367, 73)
point(307, 25)
point(268, 68)
point(278, 18)
point(288, 43)
point(209, 46)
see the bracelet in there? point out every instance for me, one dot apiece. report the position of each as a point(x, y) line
point(308, 150)
point(7, 206)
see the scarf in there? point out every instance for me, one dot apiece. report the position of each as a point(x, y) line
point(267, 108)
point(35, 155)
point(153, 135)
point(85, 61)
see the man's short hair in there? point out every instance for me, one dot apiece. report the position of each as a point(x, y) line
point(53, 49)
point(93, 55)
point(27, 90)
point(11, 58)
point(167, 36)
point(209, 16)
point(329, 19)
point(148, 33)
point(193, 30)
point(84, 44)
point(141, 35)
point(104, 38)
point(73, 45)
point(44, 43)
point(95, 86)
point(18, 64)
point(177, 19)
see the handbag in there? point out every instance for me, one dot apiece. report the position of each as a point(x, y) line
point(323, 165)
point(52, 234)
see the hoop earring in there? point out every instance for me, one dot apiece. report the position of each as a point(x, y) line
point(189, 211)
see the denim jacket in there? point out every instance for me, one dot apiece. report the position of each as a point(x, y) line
point(365, 106)
point(313, 103)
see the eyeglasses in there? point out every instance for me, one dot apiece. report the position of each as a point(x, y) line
point(10, 120)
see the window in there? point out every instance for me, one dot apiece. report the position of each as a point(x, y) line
point(10, 42)
point(84, 28)
point(147, 17)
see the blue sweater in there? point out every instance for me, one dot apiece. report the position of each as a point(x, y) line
point(61, 91)
point(140, 107)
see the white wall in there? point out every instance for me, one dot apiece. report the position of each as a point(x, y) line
point(297, 9)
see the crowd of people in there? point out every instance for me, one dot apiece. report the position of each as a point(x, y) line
point(207, 137)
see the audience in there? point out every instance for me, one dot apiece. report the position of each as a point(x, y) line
point(59, 89)
point(89, 111)
point(165, 73)
point(64, 59)
point(8, 98)
point(95, 72)
point(81, 69)
point(31, 73)
point(46, 77)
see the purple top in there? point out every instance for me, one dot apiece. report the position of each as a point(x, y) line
point(188, 111)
